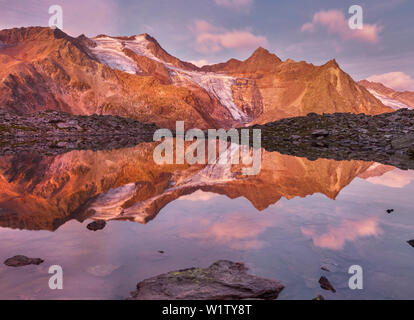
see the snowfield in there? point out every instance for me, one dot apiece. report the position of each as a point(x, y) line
point(109, 51)
point(388, 101)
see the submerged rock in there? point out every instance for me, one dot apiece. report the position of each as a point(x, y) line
point(21, 261)
point(223, 280)
point(96, 225)
point(326, 285)
point(319, 298)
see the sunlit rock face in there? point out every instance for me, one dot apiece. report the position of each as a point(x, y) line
point(289, 88)
point(135, 77)
point(43, 192)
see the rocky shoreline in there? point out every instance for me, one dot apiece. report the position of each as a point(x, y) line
point(386, 138)
point(53, 132)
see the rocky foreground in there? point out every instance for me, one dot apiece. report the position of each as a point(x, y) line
point(53, 132)
point(223, 280)
point(387, 138)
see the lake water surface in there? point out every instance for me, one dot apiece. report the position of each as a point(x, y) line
point(286, 223)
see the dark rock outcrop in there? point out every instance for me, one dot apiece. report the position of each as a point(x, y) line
point(326, 285)
point(21, 261)
point(224, 280)
point(96, 225)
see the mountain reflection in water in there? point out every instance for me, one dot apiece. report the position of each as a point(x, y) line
point(285, 223)
point(43, 192)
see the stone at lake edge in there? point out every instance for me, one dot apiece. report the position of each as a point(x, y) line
point(223, 280)
point(21, 261)
point(326, 285)
point(411, 243)
point(97, 225)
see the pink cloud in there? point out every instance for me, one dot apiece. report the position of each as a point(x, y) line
point(212, 39)
point(240, 5)
point(394, 80)
point(237, 231)
point(336, 23)
point(349, 230)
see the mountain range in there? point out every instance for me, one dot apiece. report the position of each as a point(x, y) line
point(135, 77)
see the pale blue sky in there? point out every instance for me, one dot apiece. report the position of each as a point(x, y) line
point(217, 30)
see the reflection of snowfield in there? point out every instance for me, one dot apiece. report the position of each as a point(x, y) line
point(109, 205)
point(388, 101)
point(393, 179)
point(109, 51)
point(219, 171)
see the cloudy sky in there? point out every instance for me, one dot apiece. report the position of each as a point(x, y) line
point(211, 31)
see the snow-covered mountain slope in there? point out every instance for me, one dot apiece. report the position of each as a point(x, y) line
point(111, 52)
point(395, 104)
point(218, 85)
point(389, 97)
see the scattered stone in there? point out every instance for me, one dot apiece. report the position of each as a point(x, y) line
point(325, 268)
point(410, 152)
point(411, 243)
point(319, 298)
point(404, 142)
point(389, 211)
point(161, 252)
point(223, 280)
point(320, 133)
point(97, 225)
point(21, 261)
point(326, 285)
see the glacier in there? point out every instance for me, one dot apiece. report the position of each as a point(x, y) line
point(109, 51)
point(395, 104)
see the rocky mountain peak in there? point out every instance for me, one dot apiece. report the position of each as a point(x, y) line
point(262, 56)
point(15, 35)
point(332, 64)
